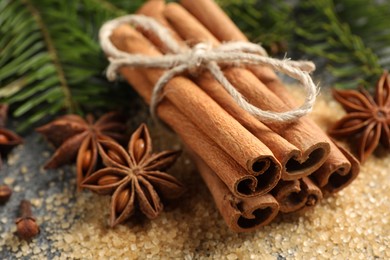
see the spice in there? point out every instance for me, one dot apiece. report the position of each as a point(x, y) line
point(8, 139)
point(26, 225)
point(76, 138)
point(367, 119)
point(5, 193)
point(338, 171)
point(134, 177)
point(297, 195)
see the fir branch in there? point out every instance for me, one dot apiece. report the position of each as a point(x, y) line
point(50, 59)
point(68, 102)
point(27, 71)
point(332, 32)
point(264, 21)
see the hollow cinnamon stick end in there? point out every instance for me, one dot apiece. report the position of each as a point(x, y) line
point(301, 166)
point(332, 177)
point(249, 214)
point(313, 193)
point(266, 175)
point(297, 195)
point(287, 193)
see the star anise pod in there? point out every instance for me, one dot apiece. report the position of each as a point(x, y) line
point(76, 139)
point(8, 139)
point(134, 177)
point(368, 118)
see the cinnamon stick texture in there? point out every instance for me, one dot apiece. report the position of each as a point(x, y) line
point(231, 173)
point(308, 148)
point(296, 195)
point(338, 171)
point(224, 29)
point(341, 165)
point(155, 8)
point(240, 214)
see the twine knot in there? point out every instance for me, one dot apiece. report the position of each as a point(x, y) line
point(205, 57)
point(198, 57)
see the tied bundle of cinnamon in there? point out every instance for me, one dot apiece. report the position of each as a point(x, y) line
point(253, 167)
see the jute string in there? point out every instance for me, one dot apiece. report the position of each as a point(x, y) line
point(205, 57)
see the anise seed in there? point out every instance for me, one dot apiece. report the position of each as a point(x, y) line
point(3, 139)
point(139, 149)
point(122, 200)
point(107, 180)
point(115, 156)
point(87, 160)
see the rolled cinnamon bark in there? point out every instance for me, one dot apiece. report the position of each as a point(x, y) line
point(296, 195)
point(338, 171)
point(310, 143)
point(224, 29)
point(230, 172)
point(240, 214)
point(155, 8)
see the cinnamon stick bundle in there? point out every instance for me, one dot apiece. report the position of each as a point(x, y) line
point(265, 169)
point(240, 214)
point(340, 168)
point(308, 148)
point(241, 159)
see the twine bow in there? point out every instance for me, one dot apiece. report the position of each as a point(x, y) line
point(205, 57)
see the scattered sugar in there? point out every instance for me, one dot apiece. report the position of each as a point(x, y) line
point(9, 180)
point(46, 154)
point(23, 169)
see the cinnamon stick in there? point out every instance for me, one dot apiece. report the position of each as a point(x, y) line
point(240, 214)
point(341, 165)
point(155, 8)
point(231, 173)
point(224, 29)
point(296, 195)
point(310, 141)
point(338, 171)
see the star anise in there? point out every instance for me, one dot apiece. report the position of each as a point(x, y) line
point(76, 138)
point(8, 139)
point(134, 177)
point(368, 117)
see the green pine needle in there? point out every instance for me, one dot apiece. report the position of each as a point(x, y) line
point(50, 58)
